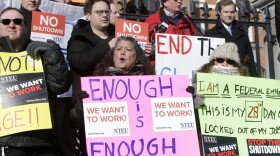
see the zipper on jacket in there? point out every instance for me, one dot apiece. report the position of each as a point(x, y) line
point(3, 151)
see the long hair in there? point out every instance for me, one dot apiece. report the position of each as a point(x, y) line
point(141, 59)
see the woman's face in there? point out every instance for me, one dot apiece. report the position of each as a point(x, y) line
point(224, 62)
point(124, 55)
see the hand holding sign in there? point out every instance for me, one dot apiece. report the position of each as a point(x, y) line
point(113, 42)
point(48, 50)
point(149, 49)
point(79, 104)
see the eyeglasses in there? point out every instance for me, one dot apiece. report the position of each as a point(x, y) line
point(101, 12)
point(17, 21)
point(222, 60)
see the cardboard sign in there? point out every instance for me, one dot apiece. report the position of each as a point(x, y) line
point(136, 30)
point(181, 54)
point(47, 26)
point(139, 115)
point(241, 115)
point(24, 102)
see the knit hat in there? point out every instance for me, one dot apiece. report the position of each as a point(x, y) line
point(227, 50)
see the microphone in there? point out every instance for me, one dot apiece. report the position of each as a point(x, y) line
point(184, 11)
point(162, 28)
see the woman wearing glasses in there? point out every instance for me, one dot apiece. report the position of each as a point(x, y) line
point(225, 60)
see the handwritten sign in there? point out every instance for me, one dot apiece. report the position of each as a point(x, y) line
point(24, 101)
point(139, 115)
point(47, 26)
point(181, 54)
point(244, 110)
point(134, 29)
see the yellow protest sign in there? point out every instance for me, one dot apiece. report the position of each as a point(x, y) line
point(24, 102)
point(241, 115)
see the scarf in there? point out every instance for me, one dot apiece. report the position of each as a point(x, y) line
point(224, 70)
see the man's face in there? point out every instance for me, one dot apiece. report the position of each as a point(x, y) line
point(99, 16)
point(13, 29)
point(173, 6)
point(227, 14)
point(30, 5)
point(114, 14)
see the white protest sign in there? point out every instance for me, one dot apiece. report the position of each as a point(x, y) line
point(182, 54)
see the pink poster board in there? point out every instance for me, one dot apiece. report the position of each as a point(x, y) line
point(139, 115)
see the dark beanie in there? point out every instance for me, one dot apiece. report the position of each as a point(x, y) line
point(163, 1)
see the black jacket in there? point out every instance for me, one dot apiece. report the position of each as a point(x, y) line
point(277, 19)
point(28, 18)
point(85, 50)
point(58, 80)
point(240, 38)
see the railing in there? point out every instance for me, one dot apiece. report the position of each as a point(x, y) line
point(247, 17)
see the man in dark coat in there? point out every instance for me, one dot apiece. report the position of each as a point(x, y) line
point(89, 43)
point(229, 29)
point(27, 6)
point(58, 80)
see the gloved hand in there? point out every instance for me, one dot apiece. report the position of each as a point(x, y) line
point(190, 89)
point(79, 103)
point(198, 99)
point(48, 50)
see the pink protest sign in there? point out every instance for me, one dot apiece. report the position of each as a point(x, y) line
point(139, 115)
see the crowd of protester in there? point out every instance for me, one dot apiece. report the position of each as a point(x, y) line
point(93, 50)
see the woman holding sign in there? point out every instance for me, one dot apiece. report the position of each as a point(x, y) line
point(223, 60)
point(125, 58)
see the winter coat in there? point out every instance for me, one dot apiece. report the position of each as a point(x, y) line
point(184, 27)
point(240, 38)
point(58, 81)
point(28, 18)
point(85, 50)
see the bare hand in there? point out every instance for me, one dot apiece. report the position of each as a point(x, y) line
point(149, 49)
point(112, 43)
